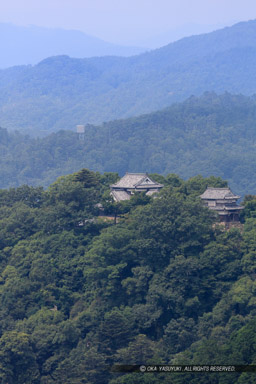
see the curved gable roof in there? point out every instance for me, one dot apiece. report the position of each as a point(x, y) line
point(218, 193)
point(134, 180)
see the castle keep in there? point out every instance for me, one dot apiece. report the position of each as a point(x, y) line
point(224, 203)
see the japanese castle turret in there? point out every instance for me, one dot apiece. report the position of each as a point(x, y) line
point(134, 182)
point(224, 203)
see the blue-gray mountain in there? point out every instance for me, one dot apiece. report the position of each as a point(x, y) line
point(61, 92)
point(29, 45)
point(211, 135)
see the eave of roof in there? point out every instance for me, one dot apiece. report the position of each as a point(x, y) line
point(218, 194)
point(120, 195)
point(135, 180)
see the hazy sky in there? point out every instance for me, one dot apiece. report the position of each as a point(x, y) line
point(125, 21)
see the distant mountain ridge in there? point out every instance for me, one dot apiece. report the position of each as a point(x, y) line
point(61, 92)
point(178, 33)
point(210, 135)
point(29, 45)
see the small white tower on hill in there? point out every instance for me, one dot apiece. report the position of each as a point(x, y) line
point(80, 129)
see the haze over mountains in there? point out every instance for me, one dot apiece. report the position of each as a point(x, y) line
point(29, 45)
point(61, 92)
point(210, 135)
point(174, 34)
point(88, 284)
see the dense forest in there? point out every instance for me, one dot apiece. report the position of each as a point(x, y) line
point(60, 92)
point(210, 135)
point(79, 293)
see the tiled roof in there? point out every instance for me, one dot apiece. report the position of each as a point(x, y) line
point(120, 195)
point(129, 180)
point(133, 180)
point(227, 208)
point(218, 193)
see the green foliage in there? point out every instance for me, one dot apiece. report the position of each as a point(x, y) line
point(210, 135)
point(249, 207)
point(161, 285)
point(17, 359)
point(87, 178)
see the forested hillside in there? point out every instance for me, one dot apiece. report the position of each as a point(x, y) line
point(61, 92)
point(162, 285)
point(211, 135)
